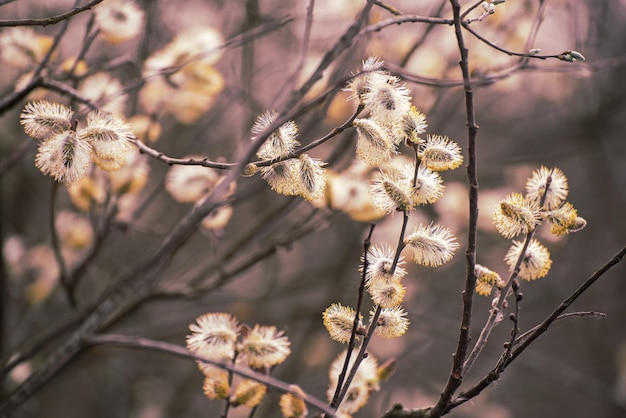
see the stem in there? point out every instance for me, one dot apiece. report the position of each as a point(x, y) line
point(178, 351)
point(543, 327)
point(56, 249)
point(536, 332)
point(493, 315)
point(374, 321)
point(456, 374)
point(205, 162)
point(49, 20)
point(230, 384)
point(361, 355)
point(366, 245)
point(514, 332)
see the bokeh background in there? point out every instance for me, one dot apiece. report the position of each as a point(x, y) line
point(566, 115)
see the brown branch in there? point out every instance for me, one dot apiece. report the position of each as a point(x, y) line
point(342, 44)
point(138, 281)
point(306, 39)
point(66, 90)
point(404, 19)
point(504, 50)
point(178, 351)
point(374, 319)
point(29, 348)
point(514, 317)
point(423, 37)
point(536, 333)
point(56, 248)
point(469, 9)
point(49, 20)
point(340, 380)
point(388, 7)
point(205, 162)
point(456, 374)
point(14, 98)
point(504, 293)
point(101, 233)
point(543, 327)
point(569, 315)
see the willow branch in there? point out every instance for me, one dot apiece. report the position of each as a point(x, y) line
point(399, 20)
point(569, 315)
point(504, 293)
point(178, 351)
point(56, 248)
point(340, 380)
point(388, 7)
point(102, 231)
point(49, 20)
point(543, 327)
point(422, 38)
point(374, 319)
point(138, 281)
point(536, 332)
point(507, 51)
point(456, 374)
point(205, 162)
point(341, 45)
point(11, 100)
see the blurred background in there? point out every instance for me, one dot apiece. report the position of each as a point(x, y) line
point(281, 260)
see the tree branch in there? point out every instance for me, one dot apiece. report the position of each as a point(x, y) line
point(49, 20)
point(178, 351)
point(536, 332)
point(456, 374)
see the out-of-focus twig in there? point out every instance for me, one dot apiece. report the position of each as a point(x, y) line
point(50, 20)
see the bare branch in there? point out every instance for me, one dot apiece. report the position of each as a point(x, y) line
point(456, 374)
point(536, 332)
point(175, 350)
point(404, 19)
point(50, 20)
point(56, 248)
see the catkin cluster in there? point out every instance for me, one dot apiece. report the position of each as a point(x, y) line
point(521, 214)
point(221, 338)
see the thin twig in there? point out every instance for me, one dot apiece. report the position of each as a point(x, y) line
point(342, 44)
point(374, 319)
point(366, 246)
point(304, 49)
point(469, 9)
point(597, 315)
point(514, 316)
point(507, 51)
point(56, 247)
point(504, 293)
point(66, 90)
point(376, 27)
point(536, 332)
point(11, 100)
point(50, 20)
point(389, 8)
point(361, 355)
point(205, 162)
point(178, 351)
point(102, 231)
point(423, 37)
point(543, 327)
